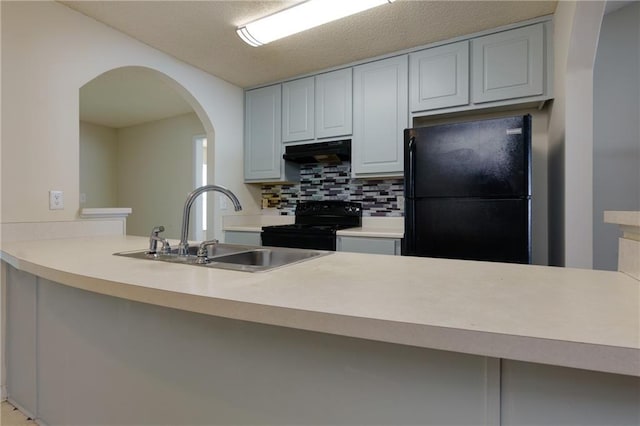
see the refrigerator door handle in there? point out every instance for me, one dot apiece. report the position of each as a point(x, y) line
point(412, 164)
point(410, 220)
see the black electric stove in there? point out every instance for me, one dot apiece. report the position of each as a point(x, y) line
point(315, 225)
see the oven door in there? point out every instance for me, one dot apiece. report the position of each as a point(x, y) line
point(303, 240)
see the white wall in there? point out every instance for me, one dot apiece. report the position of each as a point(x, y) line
point(563, 23)
point(98, 163)
point(147, 167)
point(155, 172)
point(576, 26)
point(48, 53)
point(616, 144)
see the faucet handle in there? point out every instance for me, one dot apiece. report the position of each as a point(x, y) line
point(154, 238)
point(203, 251)
point(157, 229)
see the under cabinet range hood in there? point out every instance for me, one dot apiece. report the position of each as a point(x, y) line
point(321, 152)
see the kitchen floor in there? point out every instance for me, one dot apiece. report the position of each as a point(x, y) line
point(10, 416)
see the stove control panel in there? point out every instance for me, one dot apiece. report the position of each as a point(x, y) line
point(329, 208)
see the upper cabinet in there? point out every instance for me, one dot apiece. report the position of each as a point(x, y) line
point(373, 102)
point(319, 107)
point(334, 112)
point(380, 110)
point(263, 136)
point(508, 64)
point(503, 68)
point(439, 77)
point(298, 106)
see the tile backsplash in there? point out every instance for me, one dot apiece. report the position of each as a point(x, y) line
point(379, 197)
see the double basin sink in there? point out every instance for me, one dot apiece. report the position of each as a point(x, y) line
point(233, 257)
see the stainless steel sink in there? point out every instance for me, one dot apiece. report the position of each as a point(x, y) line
point(262, 259)
point(234, 257)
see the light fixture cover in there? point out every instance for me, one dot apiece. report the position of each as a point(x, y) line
point(301, 17)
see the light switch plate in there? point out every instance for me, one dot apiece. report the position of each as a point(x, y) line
point(56, 200)
point(224, 205)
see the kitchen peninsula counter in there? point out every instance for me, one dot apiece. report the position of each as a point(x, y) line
point(559, 316)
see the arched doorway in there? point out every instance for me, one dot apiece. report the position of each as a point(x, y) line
point(137, 130)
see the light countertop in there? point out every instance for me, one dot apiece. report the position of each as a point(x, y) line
point(628, 218)
point(561, 316)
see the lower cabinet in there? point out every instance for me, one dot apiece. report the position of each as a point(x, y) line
point(243, 237)
point(106, 360)
point(369, 245)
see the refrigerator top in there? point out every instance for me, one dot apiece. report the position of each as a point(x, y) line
point(486, 158)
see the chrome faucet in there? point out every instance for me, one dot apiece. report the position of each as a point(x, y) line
point(154, 239)
point(183, 245)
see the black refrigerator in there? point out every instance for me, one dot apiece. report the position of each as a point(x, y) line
point(468, 190)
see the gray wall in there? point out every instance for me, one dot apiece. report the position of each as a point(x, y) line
point(616, 145)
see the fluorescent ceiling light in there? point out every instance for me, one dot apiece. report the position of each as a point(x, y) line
point(301, 17)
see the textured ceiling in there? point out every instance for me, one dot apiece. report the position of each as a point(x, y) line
point(202, 33)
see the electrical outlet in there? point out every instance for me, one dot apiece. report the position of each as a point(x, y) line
point(224, 205)
point(56, 200)
point(83, 198)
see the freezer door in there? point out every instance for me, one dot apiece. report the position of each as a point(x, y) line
point(468, 228)
point(486, 158)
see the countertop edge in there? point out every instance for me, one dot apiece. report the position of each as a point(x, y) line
point(603, 358)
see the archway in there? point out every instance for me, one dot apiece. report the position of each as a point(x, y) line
point(137, 127)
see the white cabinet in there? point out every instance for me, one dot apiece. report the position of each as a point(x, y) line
point(318, 107)
point(334, 105)
point(248, 238)
point(509, 64)
point(298, 110)
point(21, 323)
point(439, 77)
point(369, 245)
point(370, 103)
point(263, 140)
point(380, 114)
point(263, 137)
point(503, 68)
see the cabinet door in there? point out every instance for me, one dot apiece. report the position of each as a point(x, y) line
point(369, 245)
point(334, 111)
point(439, 77)
point(509, 64)
point(380, 115)
point(298, 110)
point(263, 133)
point(241, 237)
